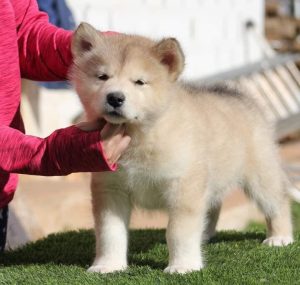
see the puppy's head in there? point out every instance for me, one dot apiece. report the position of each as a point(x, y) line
point(125, 79)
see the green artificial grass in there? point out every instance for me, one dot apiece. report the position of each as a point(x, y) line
point(231, 258)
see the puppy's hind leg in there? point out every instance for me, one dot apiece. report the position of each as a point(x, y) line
point(280, 231)
point(268, 190)
point(212, 220)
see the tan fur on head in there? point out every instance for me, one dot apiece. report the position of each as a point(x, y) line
point(124, 60)
point(168, 51)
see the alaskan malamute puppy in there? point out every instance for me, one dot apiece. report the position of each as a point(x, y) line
point(189, 147)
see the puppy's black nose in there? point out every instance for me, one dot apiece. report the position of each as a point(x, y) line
point(115, 99)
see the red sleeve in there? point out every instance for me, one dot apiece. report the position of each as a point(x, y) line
point(44, 49)
point(63, 152)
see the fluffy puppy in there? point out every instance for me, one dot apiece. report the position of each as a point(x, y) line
point(190, 146)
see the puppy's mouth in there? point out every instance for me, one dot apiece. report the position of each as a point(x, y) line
point(114, 116)
point(115, 113)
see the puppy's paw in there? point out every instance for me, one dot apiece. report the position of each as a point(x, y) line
point(106, 268)
point(181, 269)
point(278, 241)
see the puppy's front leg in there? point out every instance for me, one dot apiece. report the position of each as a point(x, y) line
point(111, 214)
point(184, 234)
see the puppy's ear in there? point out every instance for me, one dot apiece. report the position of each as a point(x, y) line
point(84, 39)
point(170, 54)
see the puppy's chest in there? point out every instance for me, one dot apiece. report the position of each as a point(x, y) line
point(147, 191)
point(149, 176)
point(151, 161)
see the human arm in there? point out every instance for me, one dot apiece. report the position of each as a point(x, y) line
point(44, 49)
point(64, 151)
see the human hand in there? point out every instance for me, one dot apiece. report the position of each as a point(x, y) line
point(114, 141)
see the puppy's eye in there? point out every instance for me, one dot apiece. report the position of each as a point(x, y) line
point(103, 77)
point(140, 82)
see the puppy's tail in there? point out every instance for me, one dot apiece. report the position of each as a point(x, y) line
point(292, 190)
point(294, 193)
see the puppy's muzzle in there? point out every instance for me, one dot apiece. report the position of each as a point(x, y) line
point(115, 99)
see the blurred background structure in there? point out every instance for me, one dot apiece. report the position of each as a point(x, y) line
point(239, 41)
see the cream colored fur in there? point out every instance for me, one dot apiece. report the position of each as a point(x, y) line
point(190, 146)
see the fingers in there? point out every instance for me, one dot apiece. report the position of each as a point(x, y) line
point(114, 141)
point(110, 130)
point(119, 149)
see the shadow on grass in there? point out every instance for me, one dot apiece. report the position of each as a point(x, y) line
point(77, 248)
point(233, 236)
